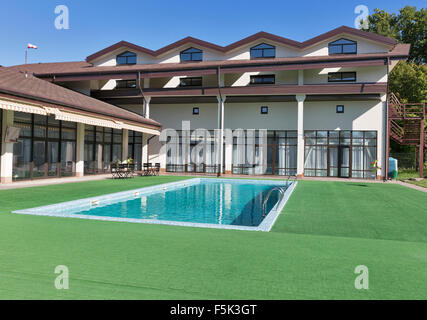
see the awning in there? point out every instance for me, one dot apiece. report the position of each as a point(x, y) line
point(13, 106)
point(92, 121)
point(138, 129)
point(73, 117)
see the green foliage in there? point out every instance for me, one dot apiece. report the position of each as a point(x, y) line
point(409, 26)
point(409, 82)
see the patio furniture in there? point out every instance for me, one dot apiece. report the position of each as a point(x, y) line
point(122, 171)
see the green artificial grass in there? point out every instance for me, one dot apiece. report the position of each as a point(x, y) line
point(324, 232)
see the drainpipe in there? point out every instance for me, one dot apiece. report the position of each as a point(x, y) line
point(144, 103)
point(220, 124)
point(387, 144)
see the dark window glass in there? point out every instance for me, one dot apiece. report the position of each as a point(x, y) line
point(263, 79)
point(343, 46)
point(263, 50)
point(340, 109)
point(264, 110)
point(191, 54)
point(125, 84)
point(196, 111)
point(341, 76)
point(126, 58)
point(191, 82)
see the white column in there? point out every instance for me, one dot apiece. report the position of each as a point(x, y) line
point(221, 109)
point(125, 144)
point(7, 149)
point(147, 107)
point(300, 152)
point(145, 148)
point(228, 157)
point(80, 150)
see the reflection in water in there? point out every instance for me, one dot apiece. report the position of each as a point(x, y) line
point(207, 202)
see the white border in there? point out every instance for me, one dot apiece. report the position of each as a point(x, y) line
point(266, 225)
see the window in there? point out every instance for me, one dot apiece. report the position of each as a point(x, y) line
point(263, 79)
point(46, 147)
point(264, 110)
point(340, 109)
point(263, 50)
point(126, 84)
point(341, 76)
point(191, 82)
point(196, 111)
point(343, 46)
point(191, 54)
point(345, 154)
point(126, 58)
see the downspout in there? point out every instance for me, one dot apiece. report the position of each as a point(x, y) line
point(387, 144)
point(221, 142)
point(144, 101)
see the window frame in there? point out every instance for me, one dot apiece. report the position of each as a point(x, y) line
point(119, 87)
point(122, 55)
point(262, 50)
point(331, 44)
point(264, 110)
point(184, 52)
point(262, 76)
point(341, 76)
point(191, 79)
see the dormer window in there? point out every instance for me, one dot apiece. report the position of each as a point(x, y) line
point(343, 46)
point(191, 54)
point(126, 58)
point(263, 50)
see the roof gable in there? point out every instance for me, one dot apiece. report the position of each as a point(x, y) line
point(258, 36)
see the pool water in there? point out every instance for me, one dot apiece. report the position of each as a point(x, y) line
point(200, 202)
point(207, 202)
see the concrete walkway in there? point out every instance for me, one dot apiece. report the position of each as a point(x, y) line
point(48, 182)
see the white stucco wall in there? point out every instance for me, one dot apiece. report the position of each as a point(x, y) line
point(358, 115)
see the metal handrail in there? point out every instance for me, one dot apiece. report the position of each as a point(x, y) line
point(282, 195)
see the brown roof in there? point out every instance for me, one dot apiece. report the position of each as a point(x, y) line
point(73, 68)
point(257, 36)
point(29, 87)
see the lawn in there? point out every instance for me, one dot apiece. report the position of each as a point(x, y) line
point(406, 174)
point(324, 232)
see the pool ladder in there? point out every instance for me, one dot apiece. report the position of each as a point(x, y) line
point(281, 190)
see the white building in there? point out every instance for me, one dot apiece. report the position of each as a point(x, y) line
point(322, 102)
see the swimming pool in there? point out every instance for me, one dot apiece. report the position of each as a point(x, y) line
point(202, 202)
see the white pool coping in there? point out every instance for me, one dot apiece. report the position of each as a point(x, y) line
point(107, 199)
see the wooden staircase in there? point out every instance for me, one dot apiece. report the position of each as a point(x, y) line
point(406, 125)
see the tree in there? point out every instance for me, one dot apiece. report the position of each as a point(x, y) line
point(409, 26)
point(409, 82)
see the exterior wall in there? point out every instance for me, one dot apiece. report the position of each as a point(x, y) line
point(243, 53)
point(363, 74)
point(358, 115)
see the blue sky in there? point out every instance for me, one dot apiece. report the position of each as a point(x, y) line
point(96, 24)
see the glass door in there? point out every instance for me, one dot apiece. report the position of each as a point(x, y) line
point(344, 162)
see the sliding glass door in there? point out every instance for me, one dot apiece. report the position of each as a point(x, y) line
point(344, 154)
